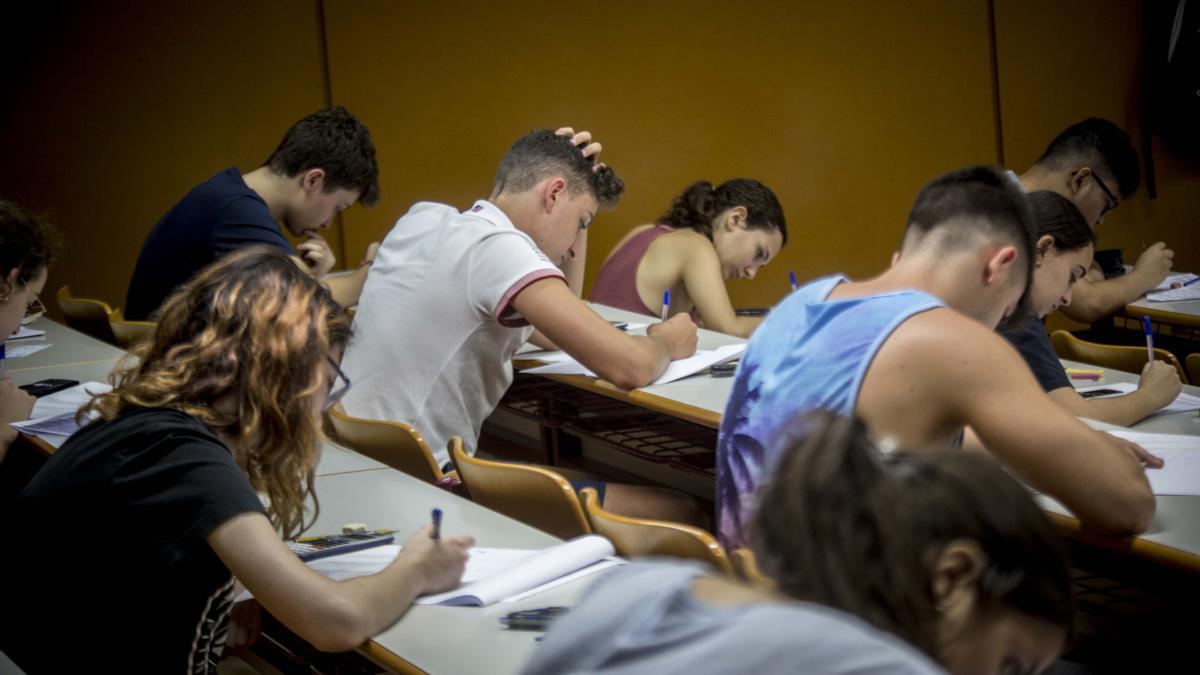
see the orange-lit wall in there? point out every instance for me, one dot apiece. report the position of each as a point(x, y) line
point(845, 109)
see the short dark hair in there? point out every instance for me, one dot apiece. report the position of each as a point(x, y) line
point(541, 153)
point(28, 243)
point(1099, 144)
point(971, 201)
point(337, 142)
point(845, 526)
point(1057, 216)
point(701, 202)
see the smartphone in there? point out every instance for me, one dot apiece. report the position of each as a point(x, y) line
point(1095, 393)
point(311, 548)
point(723, 369)
point(43, 387)
point(533, 619)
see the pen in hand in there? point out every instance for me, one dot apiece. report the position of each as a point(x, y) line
point(666, 304)
point(437, 524)
point(1149, 339)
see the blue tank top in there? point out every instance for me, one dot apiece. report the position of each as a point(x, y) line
point(809, 353)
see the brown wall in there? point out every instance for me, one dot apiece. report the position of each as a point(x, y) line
point(126, 106)
point(845, 109)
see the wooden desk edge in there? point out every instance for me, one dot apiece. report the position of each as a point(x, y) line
point(1138, 547)
point(641, 399)
point(387, 659)
point(1163, 316)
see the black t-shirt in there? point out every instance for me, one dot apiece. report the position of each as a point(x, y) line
point(1031, 341)
point(106, 560)
point(220, 215)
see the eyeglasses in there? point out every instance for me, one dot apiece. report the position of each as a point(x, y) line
point(33, 311)
point(336, 390)
point(1110, 200)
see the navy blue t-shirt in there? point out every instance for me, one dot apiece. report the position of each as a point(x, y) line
point(1031, 341)
point(220, 215)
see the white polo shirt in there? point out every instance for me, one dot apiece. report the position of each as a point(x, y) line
point(434, 334)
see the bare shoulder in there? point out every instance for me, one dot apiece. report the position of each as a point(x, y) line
point(684, 243)
point(945, 342)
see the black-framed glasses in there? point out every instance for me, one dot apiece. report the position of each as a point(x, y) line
point(33, 311)
point(1110, 200)
point(338, 387)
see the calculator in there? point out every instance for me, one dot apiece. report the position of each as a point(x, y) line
point(311, 548)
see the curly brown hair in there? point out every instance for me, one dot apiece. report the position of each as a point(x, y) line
point(243, 347)
point(28, 243)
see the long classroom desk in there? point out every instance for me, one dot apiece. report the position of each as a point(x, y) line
point(431, 639)
point(1174, 535)
point(1185, 313)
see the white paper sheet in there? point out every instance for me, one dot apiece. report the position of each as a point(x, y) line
point(1180, 474)
point(53, 418)
point(677, 370)
point(1173, 279)
point(1175, 294)
point(1182, 403)
point(21, 351)
point(26, 332)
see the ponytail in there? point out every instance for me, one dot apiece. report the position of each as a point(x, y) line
point(693, 208)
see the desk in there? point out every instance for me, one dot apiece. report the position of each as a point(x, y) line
point(1184, 313)
point(67, 346)
point(450, 640)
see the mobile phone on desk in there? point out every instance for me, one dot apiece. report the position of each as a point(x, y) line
point(1100, 393)
point(311, 548)
point(43, 387)
point(533, 619)
point(726, 369)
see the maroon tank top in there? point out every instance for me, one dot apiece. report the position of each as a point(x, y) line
point(616, 285)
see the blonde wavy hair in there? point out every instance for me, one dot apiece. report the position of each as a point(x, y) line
point(243, 347)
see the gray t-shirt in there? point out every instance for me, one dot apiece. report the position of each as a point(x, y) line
point(643, 618)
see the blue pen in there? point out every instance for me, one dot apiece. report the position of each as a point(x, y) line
point(437, 524)
point(666, 303)
point(1149, 338)
point(792, 278)
point(1190, 282)
point(1, 359)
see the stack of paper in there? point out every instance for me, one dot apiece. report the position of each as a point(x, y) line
point(1180, 474)
point(1183, 403)
point(53, 418)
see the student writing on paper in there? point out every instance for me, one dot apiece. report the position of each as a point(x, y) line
point(27, 247)
point(709, 236)
point(1093, 164)
point(1062, 255)
point(914, 353)
point(904, 563)
point(134, 532)
point(324, 164)
point(452, 296)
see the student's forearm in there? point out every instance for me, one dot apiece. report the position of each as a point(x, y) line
point(739, 326)
point(1120, 410)
point(1092, 301)
point(641, 365)
point(539, 338)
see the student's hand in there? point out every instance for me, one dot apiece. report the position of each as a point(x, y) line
point(583, 141)
point(1160, 380)
point(440, 561)
point(245, 625)
point(678, 334)
point(15, 406)
point(1155, 263)
point(1140, 454)
point(316, 254)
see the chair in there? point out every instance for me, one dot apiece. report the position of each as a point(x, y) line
point(396, 444)
point(1193, 368)
point(346, 287)
point(534, 495)
point(747, 568)
point(1116, 357)
point(635, 537)
point(86, 315)
point(127, 333)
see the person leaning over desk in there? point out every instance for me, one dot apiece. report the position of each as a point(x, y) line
point(906, 351)
point(1063, 252)
point(28, 246)
point(134, 532)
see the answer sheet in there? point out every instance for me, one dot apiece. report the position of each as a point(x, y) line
point(1180, 474)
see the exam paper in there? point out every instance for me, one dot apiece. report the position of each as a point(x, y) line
point(1173, 279)
point(21, 351)
point(26, 332)
point(1180, 474)
point(1183, 403)
point(677, 370)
